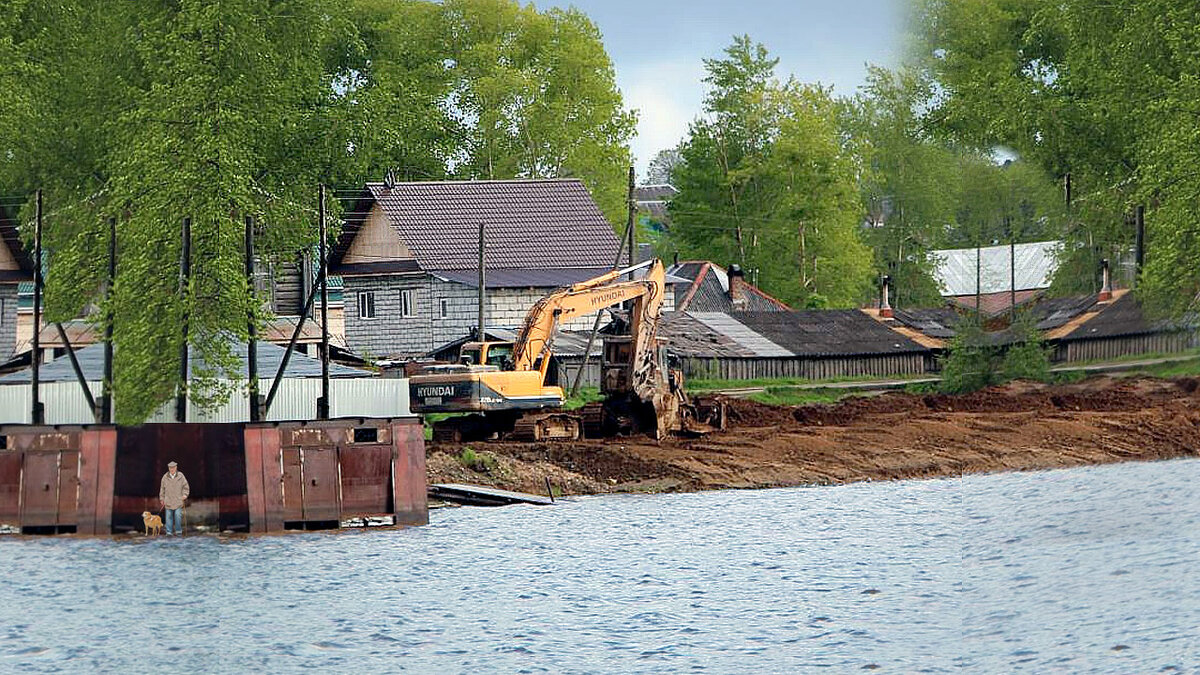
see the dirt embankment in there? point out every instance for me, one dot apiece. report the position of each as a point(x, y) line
point(893, 436)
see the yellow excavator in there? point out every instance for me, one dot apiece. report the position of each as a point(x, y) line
point(503, 384)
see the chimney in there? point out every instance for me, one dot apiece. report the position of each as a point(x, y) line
point(1105, 283)
point(885, 307)
point(737, 294)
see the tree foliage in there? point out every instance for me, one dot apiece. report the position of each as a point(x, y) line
point(766, 182)
point(149, 113)
point(979, 359)
point(1103, 91)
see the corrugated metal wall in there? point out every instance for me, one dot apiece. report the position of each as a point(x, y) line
point(64, 402)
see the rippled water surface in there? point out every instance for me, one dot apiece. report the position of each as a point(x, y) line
point(1090, 569)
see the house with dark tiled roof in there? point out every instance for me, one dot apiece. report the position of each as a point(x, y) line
point(408, 257)
point(708, 287)
point(16, 267)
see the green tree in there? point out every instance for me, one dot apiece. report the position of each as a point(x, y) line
point(1105, 92)
point(538, 97)
point(765, 182)
point(149, 113)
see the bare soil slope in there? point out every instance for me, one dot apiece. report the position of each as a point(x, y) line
point(1018, 426)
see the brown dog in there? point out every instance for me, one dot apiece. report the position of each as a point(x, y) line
point(153, 523)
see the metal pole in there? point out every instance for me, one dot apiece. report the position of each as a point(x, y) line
point(251, 327)
point(1139, 247)
point(482, 293)
point(631, 203)
point(36, 412)
point(287, 354)
point(83, 384)
point(1012, 276)
point(630, 230)
point(106, 392)
point(323, 277)
point(185, 274)
point(978, 291)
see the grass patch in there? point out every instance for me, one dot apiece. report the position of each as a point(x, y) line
point(482, 462)
point(585, 396)
point(1177, 369)
point(785, 396)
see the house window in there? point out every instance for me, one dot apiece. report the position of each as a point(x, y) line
point(366, 305)
point(444, 308)
point(407, 307)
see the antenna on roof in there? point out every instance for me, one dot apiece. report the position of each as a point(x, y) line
point(389, 179)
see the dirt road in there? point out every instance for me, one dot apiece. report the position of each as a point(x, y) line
point(893, 436)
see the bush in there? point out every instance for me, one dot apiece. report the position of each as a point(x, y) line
point(977, 361)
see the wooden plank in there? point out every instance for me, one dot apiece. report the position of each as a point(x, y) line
point(478, 495)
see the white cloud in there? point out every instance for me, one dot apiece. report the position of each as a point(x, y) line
point(667, 96)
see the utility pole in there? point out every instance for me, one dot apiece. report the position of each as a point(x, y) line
point(106, 394)
point(323, 402)
point(251, 328)
point(630, 230)
point(631, 203)
point(1139, 246)
point(185, 274)
point(482, 293)
point(37, 415)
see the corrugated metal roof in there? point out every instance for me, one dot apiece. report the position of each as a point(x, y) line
point(530, 224)
point(828, 333)
point(955, 269)
point(735, 330)
point(91, 361)
point(522, 278)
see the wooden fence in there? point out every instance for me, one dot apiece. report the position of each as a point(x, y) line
point(887, 365)
point(1099, 349)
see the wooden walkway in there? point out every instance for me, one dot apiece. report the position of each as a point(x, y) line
point(478, 495)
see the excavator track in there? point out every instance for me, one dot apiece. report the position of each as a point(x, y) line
point(554, 426)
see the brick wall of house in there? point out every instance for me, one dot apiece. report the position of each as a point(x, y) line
point(8, 319)
point(390, 334)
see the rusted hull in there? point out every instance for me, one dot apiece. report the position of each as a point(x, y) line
point(259, 478)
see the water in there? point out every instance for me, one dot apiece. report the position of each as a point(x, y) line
point(1090, 569)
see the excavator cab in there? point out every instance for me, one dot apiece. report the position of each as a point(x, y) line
point(497, 354)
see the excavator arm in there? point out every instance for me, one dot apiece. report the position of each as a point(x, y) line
point(554, 310)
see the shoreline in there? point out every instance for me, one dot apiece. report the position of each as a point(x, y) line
point(1020, 426)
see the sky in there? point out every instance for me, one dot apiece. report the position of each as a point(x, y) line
point(657, 47)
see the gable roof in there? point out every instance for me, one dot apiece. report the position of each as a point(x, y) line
point(529, 224)
point(10, 237)
point(709, 290)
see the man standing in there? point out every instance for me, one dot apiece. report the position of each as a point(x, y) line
point(172, 493)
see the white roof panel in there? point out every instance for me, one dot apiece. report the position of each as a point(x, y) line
point(956, 269)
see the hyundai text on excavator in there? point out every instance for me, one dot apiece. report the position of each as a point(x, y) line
point(503, 384)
